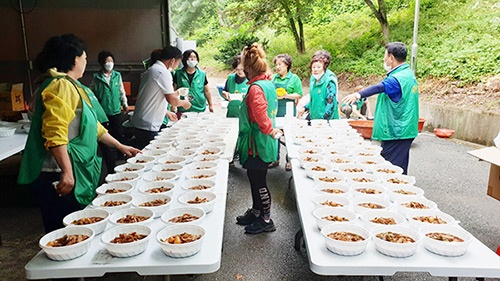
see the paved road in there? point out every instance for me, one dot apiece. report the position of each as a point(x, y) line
point(453, 179)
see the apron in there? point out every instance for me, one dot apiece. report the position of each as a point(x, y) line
point(282, 102)
point(82, 150)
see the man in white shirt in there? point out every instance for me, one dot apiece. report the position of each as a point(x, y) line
point(155, 93)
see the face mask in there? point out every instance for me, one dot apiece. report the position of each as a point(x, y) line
point(387, 67)
point(192, 63)
point(317, 76)
point(109, 66)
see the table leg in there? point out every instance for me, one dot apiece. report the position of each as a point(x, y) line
point(299, 239)
point(166, 277)
point(452, 278)
point(480, 278)
point(290, 182)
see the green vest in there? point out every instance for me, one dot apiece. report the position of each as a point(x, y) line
point(96, 105)
point(319, 93)
point(394, 121)
point(282, 102)
point(250, 135)
point(196, 89)
point(82, 150)
point(233, 107)
point(108, 94)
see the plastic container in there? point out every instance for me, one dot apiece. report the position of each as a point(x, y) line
point(66, 252)
point(124, 250)
point(98, 226)
point(345, 248)
point(180, 250)
point(177, 212)
point(200, 194)
point(392, 249)
point(326, 216)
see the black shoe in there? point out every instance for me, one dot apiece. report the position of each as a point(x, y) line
point(260, 226)
point(246, 218)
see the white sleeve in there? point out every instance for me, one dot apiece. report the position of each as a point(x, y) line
point(123, 96)
point(164, 81)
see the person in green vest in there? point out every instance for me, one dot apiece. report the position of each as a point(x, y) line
point(108, 87)
point(257, 139)
point(60, 159)
point(322, 91)
point(288, 89)
point(195, 79)
point(236, 83)
point(396, 112)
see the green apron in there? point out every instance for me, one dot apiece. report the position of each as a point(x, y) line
point(233, 107)
point(108, 94)
point(319, 92)
point(250, 135)
point(196, 89)
point(282, 102)
point(82, 151)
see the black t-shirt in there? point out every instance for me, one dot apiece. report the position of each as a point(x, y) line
point(190, 77)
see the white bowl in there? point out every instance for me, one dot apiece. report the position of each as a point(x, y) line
point(205, 165)
point(352, 168)
point(131, 167)
point(326, 216)
point(331, 177)
point(445, 248)
point(339, 159)
point(221, 145)
point(310, 150)
point(434, 217)
point(368, 189)
point(386, 169)
point(333, 151)
point(98, 227)
point(209, 150)
point(330, 200)
point(124, 250)
point(200, 174)
point(396, 193)
point(309, 158)
point(363, 152)
point(166, 145)
point(397, 250)
point(191, 195)
point(395, 181)
point(189, 154)
point(172, 168)
point(121, 214)
point(360, 178)
point(7, 132)
point(171, 160)
point(126, 177)
point(370, 162)
point(189, 145)
point(159, 209)
point(101, 200)
point(157, 187)
point(203, 184)
point(375, 148)
point(205, 158)
point(339, 189)
point(320, 168)
point(212, 140)
point(66, 252)
point(345, 248)
point(163, 141)
point(177, 212)
point(368, 216)
point(145, 160)
point(159, 176)
point(376, 203)
point(156, 153)
point(115, 188)
point(416, 202)
point(180, 250)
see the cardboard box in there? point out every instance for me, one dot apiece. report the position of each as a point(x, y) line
point(491, 155)
point(11, 97)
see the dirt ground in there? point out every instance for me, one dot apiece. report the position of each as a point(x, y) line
point(484, 95)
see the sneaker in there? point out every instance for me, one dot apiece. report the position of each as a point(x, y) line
point(260, 226)
point(248, 218)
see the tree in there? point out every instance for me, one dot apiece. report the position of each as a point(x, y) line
point(381, 15)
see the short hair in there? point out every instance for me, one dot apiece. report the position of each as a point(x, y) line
point(170, 52)
point(326, 55)
point(321, 59)
point(102, 56)
point(254, 57)
point(155, 56)
point(186, 54)
point(236, 61)
point(60, 52)
point(286, 58)
point(398, 50)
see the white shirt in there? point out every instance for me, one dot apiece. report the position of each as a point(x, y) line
point(151, 105)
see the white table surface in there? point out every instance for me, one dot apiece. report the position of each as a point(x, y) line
point(153, 261)
point(478, 261)
point(12, 145)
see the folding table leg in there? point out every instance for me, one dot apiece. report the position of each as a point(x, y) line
point(299, 239)
point(166, 277)
point(452, 278)
point(290, 182)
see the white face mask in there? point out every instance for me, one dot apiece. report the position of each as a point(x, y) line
point(192, 63)
point(109, 66)
point(318, 76)
point(387, 67)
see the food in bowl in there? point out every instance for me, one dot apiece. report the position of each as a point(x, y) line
point(370, 205)
point(365, 203)
point(394, 237)
point(57, 246)
point(154, 203)
point(383, 220)
point(87, 220)
point(367, 190)
point(159, 189)
point(445, 237)
point(159, 176)
point(112, 203)
point(200, 198)
point(183, 216)
point(345, 239)
point(346, 236)
point(158, 203)
point(67, 240)
point(445, 240)
point(181, 238)
point(181, 241)
point(414, 205)
point(127, 238)
point(186, 217)
point(395, 241)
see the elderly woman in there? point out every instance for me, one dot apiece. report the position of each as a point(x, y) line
point(257, 141)
point(323, 91)
point(195, 79)
point(288, 85)
point(236, 83)
point(60, 158)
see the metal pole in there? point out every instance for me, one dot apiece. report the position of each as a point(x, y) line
point(26, 53)
point(414, 47)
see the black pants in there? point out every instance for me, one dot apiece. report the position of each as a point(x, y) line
point(257, 175)
point(397, 152)
point(53, 208)
point(143, 137)
point(115, 128)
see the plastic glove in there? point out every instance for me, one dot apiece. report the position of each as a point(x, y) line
point(183, 92)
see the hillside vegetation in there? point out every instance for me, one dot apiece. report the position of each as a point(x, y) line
point(458, 44)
